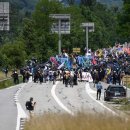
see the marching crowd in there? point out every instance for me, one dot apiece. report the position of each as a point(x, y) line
point(108, 65)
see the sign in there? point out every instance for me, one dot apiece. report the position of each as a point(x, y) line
point(76, 50)
point(90, 26)
point(4, 16)
point(86, 77)
point(61, 23)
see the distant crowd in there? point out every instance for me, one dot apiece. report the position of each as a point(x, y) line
point(107, 64)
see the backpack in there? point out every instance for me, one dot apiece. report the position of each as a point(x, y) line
point(29, 105)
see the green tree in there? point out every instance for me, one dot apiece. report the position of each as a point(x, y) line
point(88, 2)
point(15, 54)
point(124, 22)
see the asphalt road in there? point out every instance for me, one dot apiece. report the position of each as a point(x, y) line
point(8, 110)
point(78, 98)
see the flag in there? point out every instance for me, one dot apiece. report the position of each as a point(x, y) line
point(61, 65)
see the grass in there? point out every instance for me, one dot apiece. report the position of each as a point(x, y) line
point(121, 101)
point(81, 121)
point(8, 83)
point(127, 81)
point(125, 107)
point(2, 75)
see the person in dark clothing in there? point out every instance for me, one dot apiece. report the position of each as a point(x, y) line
point(41, 77)
point(54, 77)
point(75, 79)
point(64, 77)
point(15, 77)
point(6, 71)
point(80, 75)
point(30, 105)
point(119, 77)
point(27, 75)
point(24, 75)
point(114, 77)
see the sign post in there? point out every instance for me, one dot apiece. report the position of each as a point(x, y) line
point(4, 16)
point(60, 26)
point(89, 27)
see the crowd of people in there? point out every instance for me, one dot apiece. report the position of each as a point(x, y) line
point(108, 65)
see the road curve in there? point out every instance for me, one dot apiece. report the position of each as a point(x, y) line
point(8, 110)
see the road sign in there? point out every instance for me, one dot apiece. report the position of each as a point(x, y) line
point(4, 16)
point(76, 50)
point(61, 23)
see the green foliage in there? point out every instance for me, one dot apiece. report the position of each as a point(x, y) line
point(8, 82)
point(33, 31)
point(124, 22)
point(14, 54)
point(40, 41)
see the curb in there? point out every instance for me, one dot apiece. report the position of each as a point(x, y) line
point(21, 115)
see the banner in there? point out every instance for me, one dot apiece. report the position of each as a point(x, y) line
point(86, 77)
point(61, 65)
point(53, 60)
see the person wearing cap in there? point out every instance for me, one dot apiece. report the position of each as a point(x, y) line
point(99, 88)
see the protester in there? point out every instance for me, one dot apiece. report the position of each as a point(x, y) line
point(99, 88)
point(15, 77)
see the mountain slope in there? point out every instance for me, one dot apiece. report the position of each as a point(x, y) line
point(111, 2)
point(30, 4)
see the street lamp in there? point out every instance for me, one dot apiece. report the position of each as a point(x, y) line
point(4, 16)
point(61, 25)
point(89, 27)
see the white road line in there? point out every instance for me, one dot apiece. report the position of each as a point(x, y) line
point(89, 91)
point(21, 113)
point(58, 101)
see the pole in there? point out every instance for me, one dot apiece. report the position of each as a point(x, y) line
point(59, 31)
point(87, 38)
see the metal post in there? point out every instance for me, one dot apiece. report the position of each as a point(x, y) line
point(59, 32)
point(87, 38)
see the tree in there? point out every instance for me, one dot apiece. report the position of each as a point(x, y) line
point(124, 22)
point(88, 2)
point(15, 54)
point(71, 2)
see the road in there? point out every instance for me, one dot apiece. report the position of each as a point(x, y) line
point(8, 110)
point(78, 98)
point(51, 98)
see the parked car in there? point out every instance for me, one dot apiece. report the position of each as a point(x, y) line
point(114, 92)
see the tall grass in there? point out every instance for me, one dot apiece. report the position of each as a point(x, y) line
point(2, 75)
point(81, 121)
point(9, 82)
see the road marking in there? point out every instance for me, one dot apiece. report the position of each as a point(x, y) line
point(21, 113)
point(58, 101)
point(89, 91)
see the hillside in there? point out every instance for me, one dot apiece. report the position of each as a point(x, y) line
point(30, 4)
point(112, 2)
